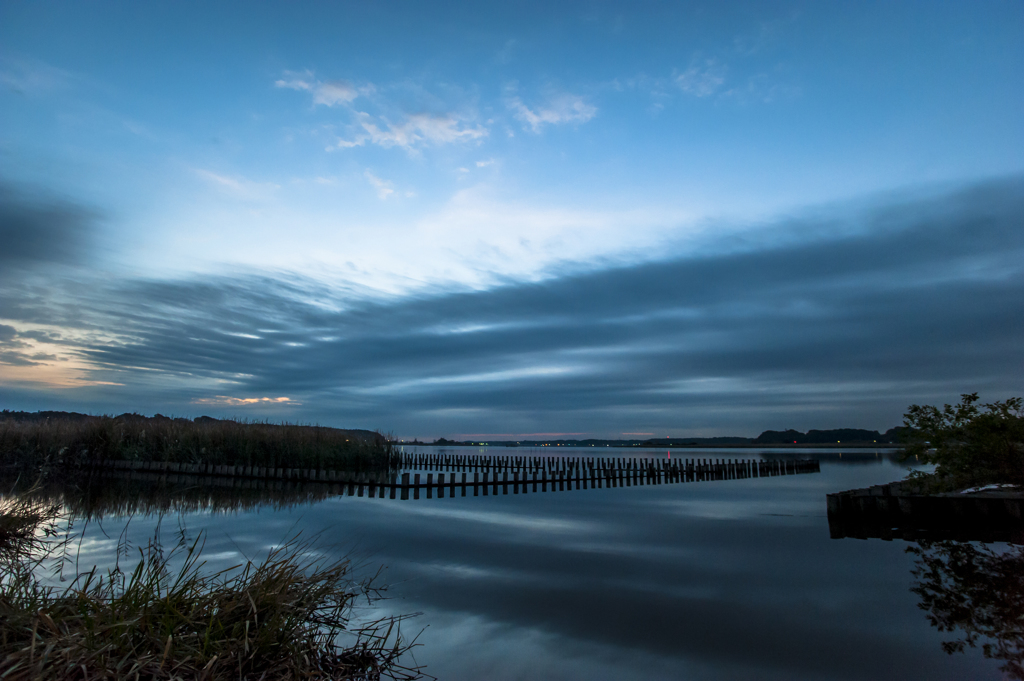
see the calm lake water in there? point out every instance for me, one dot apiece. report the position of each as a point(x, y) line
point(732, 579)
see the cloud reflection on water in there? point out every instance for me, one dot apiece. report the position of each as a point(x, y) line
point(628, 583)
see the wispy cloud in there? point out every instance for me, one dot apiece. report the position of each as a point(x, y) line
point(224, 400)
point(761, 88)
point(296, 81)
point(335, 92)
point(507, 51)
point(239, 187)
point(702, 79)
point(395, 128)
point(765, 36)
point(328, 93)
point(383, 187)
point(414, 131)
point(31, 76)
point(558, 109)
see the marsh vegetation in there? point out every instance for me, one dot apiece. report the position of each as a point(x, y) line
point(167, 617)
point(63, 441)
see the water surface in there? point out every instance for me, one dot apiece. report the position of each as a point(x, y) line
point(732, 579)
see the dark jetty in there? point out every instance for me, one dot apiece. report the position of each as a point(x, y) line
point(904, 510)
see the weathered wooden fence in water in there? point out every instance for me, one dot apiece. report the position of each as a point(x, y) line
point(522, 473)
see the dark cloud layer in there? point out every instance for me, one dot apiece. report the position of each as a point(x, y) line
point(913, 301)
point(36, 228)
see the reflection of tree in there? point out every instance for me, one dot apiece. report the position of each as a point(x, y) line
point(978, 591)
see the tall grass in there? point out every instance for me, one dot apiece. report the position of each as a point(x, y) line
point(286, 617)
point(58, 443)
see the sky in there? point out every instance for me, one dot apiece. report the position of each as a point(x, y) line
point(478, 220)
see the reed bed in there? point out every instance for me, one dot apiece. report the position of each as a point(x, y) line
point(59, 443)
point(286, 617)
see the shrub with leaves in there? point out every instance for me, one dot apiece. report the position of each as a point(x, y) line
point(969, 445)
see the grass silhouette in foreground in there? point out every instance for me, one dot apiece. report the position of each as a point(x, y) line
point(286, 617)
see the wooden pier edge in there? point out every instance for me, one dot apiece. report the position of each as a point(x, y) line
point(903, 510)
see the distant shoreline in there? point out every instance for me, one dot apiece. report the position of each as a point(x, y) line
point(738, 445)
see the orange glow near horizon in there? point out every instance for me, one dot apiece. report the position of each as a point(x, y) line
point(243, 401)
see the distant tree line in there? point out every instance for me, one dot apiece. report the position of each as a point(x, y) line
point(769, 437)
point(816, 437)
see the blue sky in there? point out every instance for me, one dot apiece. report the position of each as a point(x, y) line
point(471, 219)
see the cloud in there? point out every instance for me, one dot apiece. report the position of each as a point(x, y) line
point(761, 88)
point(243, 401)
point(31, 76)
point(330, 93)
point(414, 131)
point(383, 187)
point(702, 79)
point(239, 187)
point(562, 108)
point(767, 35)
point(505, 54)
point(37, 227)
point(919, 300)
point(335, 92)
point(389, 127)
point(294, 81)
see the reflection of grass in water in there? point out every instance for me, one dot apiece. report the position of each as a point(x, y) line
point(979, 592)
point(28, 528)
point(118, 495)
point(286, 617)
point(56, 442)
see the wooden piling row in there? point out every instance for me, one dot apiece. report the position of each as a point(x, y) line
point(522, 474)
point(617, 467)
